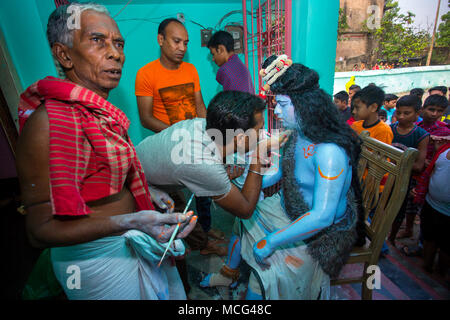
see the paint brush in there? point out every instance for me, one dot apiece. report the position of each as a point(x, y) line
point(176, 230)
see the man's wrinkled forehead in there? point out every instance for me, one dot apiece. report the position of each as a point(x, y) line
point(93, 22)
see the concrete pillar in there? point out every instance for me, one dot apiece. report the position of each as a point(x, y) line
point(314, 37)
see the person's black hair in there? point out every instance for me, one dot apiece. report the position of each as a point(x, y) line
point(233, 110)
point(382, 112)
point(442, 89)
point(319, 120)
point(369, 95)
point(410, 101)
point(317, 115)
point(354, 87)
point(390, 97)
point(342, 96)
point(436, 100)
point(163, 25)
point(418, 92)
point(221, 38)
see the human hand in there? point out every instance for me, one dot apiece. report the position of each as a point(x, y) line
point(161, 199)
point(161, 226)
point(274, 143)
point(234, 172)
point(261, 250)
point(413, 192)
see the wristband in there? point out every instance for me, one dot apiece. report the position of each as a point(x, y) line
point(259, 173)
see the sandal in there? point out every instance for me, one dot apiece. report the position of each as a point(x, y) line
point(411, 252)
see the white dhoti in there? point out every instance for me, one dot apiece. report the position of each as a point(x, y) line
point(119, 268)
point(293, 273)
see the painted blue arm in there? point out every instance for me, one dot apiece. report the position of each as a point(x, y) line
point(331, 167)
point(273, 178)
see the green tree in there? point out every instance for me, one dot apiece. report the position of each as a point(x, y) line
point(342, 22)
point(443, 34)
point(398, 40)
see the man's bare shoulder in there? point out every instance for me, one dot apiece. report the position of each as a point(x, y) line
point(37, 126)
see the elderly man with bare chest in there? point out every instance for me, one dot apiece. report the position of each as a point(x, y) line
point(82, 185)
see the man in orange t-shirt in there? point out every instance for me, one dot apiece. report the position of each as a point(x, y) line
point(168, 89)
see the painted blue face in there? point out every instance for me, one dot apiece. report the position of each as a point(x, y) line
point(285, 111)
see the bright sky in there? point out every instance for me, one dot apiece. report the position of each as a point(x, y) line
point(425, 11)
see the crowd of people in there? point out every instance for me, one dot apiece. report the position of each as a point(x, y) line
point(377, 66)
point(411, 121)
point(96, 202)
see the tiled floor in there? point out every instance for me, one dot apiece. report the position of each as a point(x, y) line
point(402, 278)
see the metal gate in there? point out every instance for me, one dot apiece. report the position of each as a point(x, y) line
point(268, 32)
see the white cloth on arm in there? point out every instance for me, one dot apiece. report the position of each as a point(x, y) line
point(183, 155)
point(119, 268)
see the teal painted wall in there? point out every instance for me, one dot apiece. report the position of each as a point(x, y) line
point(26, 41)
point(24, 24)
point(139, 24)
point(314, 37)
point(141, 47)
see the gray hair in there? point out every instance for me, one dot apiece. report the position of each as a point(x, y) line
point(58, 29)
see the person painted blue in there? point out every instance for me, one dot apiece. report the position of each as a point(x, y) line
point(301, 236)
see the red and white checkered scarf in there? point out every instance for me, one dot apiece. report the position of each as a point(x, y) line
point(91, 155)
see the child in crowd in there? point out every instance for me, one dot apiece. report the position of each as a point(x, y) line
point(418, 92)
point(433, 192)
point(354, 88)
point(366, 104)
point(382, 115)
point(341, 102)
point(408, 135)
point(433, 109)
point(389, 106)
point(351, 91)
point(440, 90)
